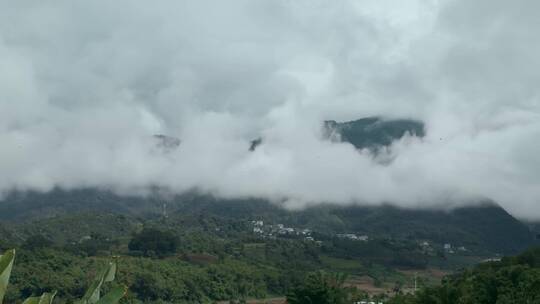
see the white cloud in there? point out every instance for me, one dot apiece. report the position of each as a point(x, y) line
point(85, 84)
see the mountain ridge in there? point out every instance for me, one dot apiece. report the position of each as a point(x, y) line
point(485, 227)
point(372, 132)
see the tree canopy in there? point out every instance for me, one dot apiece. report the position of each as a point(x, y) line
point(154, 242)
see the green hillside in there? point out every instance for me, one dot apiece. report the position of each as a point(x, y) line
point(484, 227)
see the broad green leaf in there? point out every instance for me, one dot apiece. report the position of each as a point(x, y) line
point(113, 296)
point(6, 264)
point(46, 298)
point(93, 293)
point(32, 300)
point(111, 272)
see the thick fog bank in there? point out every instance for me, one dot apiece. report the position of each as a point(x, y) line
point(84, 86)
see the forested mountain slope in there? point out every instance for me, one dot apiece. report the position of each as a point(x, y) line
point(484, 227)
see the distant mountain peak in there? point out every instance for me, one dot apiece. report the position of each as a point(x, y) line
point(372, 132)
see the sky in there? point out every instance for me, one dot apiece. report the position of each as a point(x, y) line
point(85, 84)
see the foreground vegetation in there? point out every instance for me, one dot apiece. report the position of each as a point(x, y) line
point(511, 280)
point(91, 296)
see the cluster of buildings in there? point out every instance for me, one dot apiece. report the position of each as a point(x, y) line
point(279, 230)
point(276, 230)
point(447, 247)
point(353, 237)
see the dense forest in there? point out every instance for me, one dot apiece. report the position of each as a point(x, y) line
point(189, 260)
point(511, 280)
point(201, 279)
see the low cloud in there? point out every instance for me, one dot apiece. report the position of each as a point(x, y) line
point(85, 86)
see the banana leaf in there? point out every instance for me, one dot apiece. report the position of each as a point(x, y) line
point(6, 264)
point(93, 293)
point(113, 296)
point(46, 298)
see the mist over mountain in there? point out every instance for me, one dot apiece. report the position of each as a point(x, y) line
point(485, 227)
point(81, 100)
